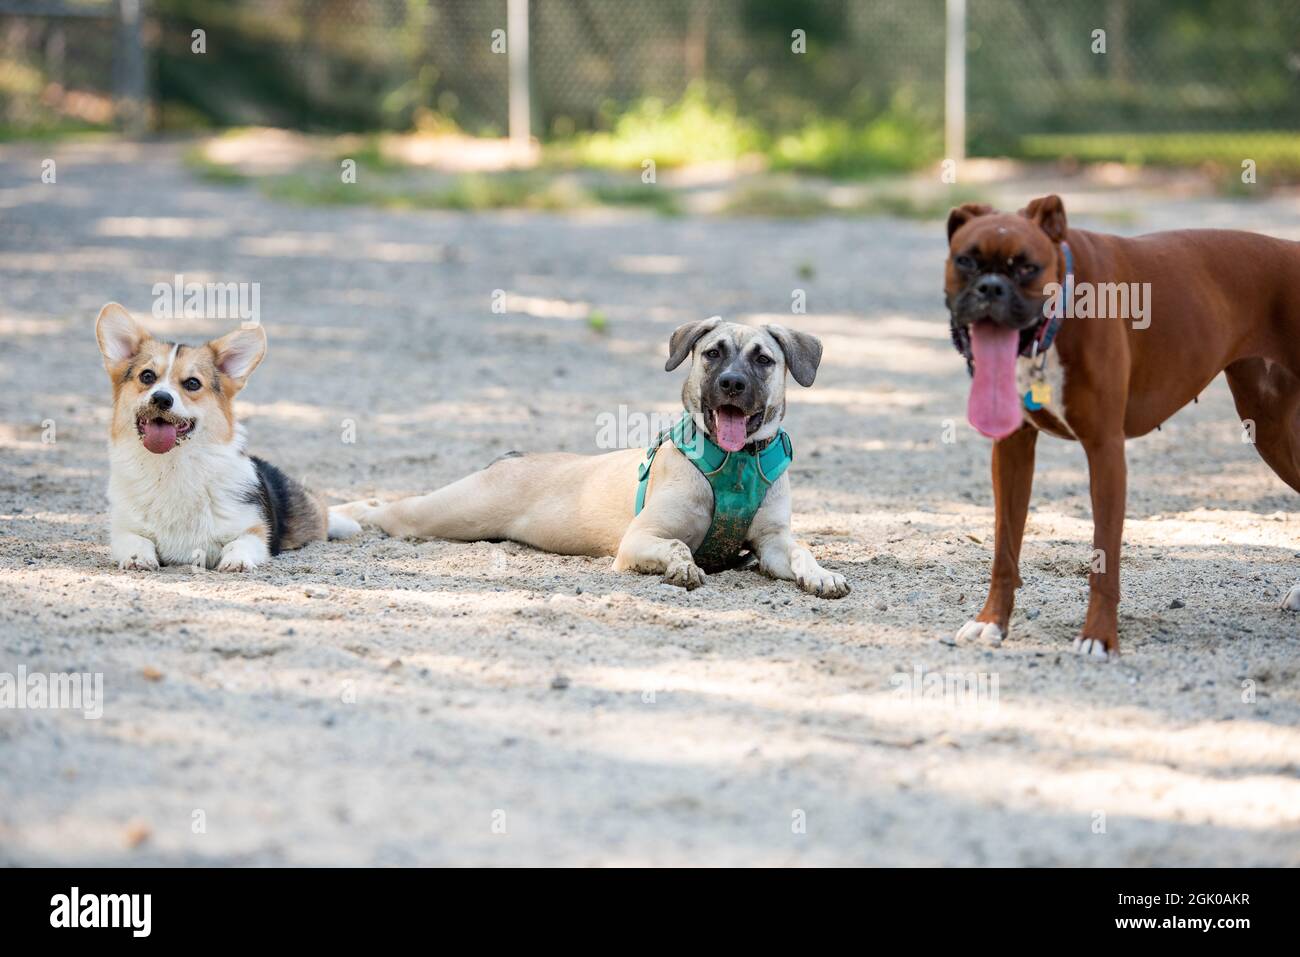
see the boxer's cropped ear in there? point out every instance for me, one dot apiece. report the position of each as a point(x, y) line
point(803, 353)
point(1049, 214)
point(684, 338)
point(963, 214)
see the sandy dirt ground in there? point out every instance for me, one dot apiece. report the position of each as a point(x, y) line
point(390, 702)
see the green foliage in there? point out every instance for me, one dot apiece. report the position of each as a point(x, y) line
point(1275, 152)
point(196, 159)
point(471, 192)
point(695, 129)
point(894, 141)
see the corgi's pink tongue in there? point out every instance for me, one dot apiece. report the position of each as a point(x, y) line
point(994, 405)
point(729, 428)
point(159, 436)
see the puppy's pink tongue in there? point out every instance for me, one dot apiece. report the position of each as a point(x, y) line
point(994, 405)
point(729, 428)
point(159, 437)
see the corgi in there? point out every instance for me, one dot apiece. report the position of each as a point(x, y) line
point(182, 490)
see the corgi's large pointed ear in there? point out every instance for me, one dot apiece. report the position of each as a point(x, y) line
point(120, 337)
point(238, 353)
point(684, 338)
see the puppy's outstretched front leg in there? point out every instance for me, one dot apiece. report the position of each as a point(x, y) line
point(780, 555)
point(643, 551)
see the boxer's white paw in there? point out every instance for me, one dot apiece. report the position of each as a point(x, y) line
point(1093, 648)
point(1292, 600)
point(983, 631)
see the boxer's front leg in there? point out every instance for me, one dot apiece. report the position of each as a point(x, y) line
point(1108, 477)
point(1013, 479)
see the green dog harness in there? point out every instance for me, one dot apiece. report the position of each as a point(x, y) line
point(739, 481)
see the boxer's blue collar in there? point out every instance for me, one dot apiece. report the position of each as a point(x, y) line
point(1051, 324)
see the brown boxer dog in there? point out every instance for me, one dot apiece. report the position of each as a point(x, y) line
point(1198, 302)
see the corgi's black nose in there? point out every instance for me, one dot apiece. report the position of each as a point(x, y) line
point(163, 400)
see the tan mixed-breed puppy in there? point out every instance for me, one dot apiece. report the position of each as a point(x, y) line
point(586, 504)
point(182, 490)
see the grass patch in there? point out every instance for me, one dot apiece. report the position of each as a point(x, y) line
point(777, 202)
point(695, 129)
point(782, 202)
point(51, 132)
point(196, 160)
point(1275, 152)
point(368, 153)
point(649, 196)
point(893, 142)
point(471, 192)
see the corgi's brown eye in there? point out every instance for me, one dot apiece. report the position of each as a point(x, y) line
point(147, 377)
point(192, 384)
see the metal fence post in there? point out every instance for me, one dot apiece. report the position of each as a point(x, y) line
point(517, 44)
point(132, 89)
point(954, 83)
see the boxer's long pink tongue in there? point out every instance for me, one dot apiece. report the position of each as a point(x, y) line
point(729, 428)
point(994, 405)
point(159, 436)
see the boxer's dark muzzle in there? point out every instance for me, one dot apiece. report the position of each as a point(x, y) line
point(994, 298)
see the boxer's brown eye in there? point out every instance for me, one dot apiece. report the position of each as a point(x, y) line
point(964, 263)
point(1028, 271)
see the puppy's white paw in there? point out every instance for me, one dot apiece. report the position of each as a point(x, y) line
point(243, 554)
point(1292, 600)
point(987, 632)
point(824, 584)
point(1093, 648)
point(342, 526)
point(684, 574)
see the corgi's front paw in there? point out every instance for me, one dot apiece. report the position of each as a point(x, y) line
point(133, 553)
point(243, 554)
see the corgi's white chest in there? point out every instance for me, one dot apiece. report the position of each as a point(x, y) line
point(190, 505)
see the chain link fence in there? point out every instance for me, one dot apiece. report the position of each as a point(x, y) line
point(1097, 78)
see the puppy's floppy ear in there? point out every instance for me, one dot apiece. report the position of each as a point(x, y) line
point(238, 353)
point(963, 214)
point(684, 338)
point(120, 337)
point(1048, 213)
point(803, 353)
